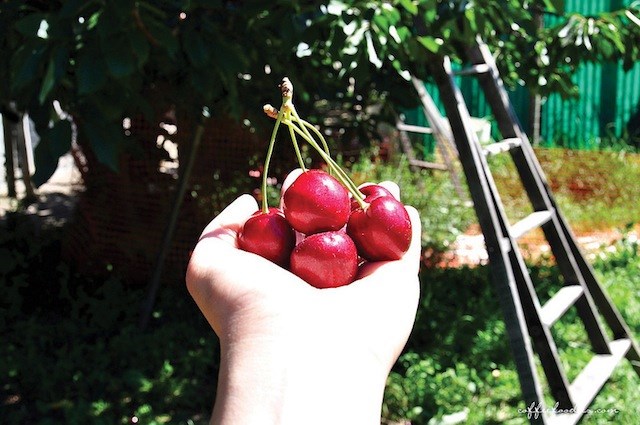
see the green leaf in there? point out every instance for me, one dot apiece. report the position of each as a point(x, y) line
point(429, 43)
point(54, 142)
point(26, 64)
point(29, 25)
point(45, 162)
point(55, 70)
point(48, 82)
point(228, 57)
point(195, 47)
point(118, 56)
point(140, 47)
point(554, 6)
point(162, 35)
point(105, 140)
point(72, 8)
point(91, 73)
point(410, 6)
point(60, 138)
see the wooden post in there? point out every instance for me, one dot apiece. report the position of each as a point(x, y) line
point(535, 101)
point(8, 155)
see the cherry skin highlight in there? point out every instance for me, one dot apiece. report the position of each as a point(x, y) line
point(268, 235)
point(316, 202)
point(326, 260)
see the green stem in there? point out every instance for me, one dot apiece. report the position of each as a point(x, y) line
point(305, 125)
point(265, 171)
point(295, 143)
point(340, 173)
point(315, 130)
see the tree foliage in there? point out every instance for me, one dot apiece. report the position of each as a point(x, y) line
point(101, 61)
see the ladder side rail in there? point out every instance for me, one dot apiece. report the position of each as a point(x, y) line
point(605, 305)
point(535, 184)
point(405, 144)
point(540, 334)
point(501, 273)
point(432, 114)
point(441, 132)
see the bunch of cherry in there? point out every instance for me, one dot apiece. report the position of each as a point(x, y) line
point(326, 227)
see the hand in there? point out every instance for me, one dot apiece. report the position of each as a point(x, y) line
point(291, 353)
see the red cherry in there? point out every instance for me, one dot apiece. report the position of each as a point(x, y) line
point(370, 192)
point(326, 260)
point(316, 202)
point(381, 231)
point(268, 235)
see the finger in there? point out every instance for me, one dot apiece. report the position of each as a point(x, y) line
point(391, 187)
point(288, 181)
point(410, 261)
point(227, 224)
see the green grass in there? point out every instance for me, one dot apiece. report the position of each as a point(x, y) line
point(458, 357)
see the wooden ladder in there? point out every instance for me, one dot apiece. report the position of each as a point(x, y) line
point(441, 132)
point(528, 322)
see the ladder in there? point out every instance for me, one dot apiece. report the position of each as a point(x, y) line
point(439, 128)
point(528, 321)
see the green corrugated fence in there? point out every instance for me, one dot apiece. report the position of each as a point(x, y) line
point(609, 96)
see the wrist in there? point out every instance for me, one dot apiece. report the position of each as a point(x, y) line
point(262, 381)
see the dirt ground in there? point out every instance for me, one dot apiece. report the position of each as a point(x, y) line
point(55, 200)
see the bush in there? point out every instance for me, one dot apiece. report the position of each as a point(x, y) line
point(72, 352)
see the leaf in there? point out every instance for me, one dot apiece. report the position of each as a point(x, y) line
point(105, 140)
point(60, 138)
point(30, 25)
point(410, 6)
point(91, 73)
point(26, 64)
point(228, 58)
point(54, 142)
point(554, 6)
point(118, 56)
point(72, 8)
point(429, 43)
point(55, 70)
point(195, 47)
point(162, 35)
point(48, 82)
point(140, 47)
point(45, 162)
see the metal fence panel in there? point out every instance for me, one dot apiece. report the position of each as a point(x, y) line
point(609, 96)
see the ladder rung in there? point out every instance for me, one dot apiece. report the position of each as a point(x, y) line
point(559, 303)
point(530, 222)
point(429, 165)
point(502, 146)
point(414, 128)
point(480, 68)
point(589, 382)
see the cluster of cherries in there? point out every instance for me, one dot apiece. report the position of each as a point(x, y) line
point(326, 227)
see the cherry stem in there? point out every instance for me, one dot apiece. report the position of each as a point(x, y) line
point(289, 116)
point(265, 171)
point(295, 143)
point(341, 175)
point(306, 125)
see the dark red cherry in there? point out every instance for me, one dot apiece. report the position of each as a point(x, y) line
point(268, 235)
point(326, 260)
point(316, 202)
